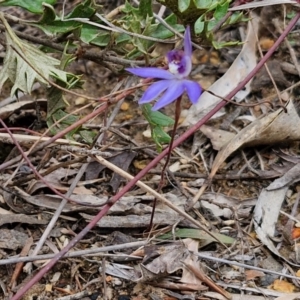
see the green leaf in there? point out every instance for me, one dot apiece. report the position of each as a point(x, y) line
point(157, 120)
point(24, 64)
point(88, 135)
point(183, 5)
point(34, 6)
point(220, 45)
point(65, 120)
point(123, 37)
point(89, 34)
point(161, 32)
point(211, 24)
point(56, 101)
point(156, 117)
point(236, 17)
point(197, 234)
point(160, 137)
point(221, 11)
point(145, 29)
point(55, 95)
point(203, 4)
point(199, 25)
point(145, 8)
point(52, 24)
point(127, 8)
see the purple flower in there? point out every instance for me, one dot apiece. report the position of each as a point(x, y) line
point(173, 82)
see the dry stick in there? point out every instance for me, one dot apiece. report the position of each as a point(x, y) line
point(203, 278)
point(76, 253)
point(235, 263)
point(152, 164)
point(268, 69)
point(287, 43)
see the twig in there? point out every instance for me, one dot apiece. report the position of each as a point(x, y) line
point(78, 296)
point(114, 12)
point(119, 29)
point(49, 170)
point(234, 263)
point(262, 175)
point(268, 69)
point(207, 281)
point(75, 253)
point(287, 43)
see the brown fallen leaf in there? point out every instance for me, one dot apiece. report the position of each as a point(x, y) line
point(20, 218)
point(283, 286)
point(12, 239)
point(8, 110)
point(121, 160)
point(209, 282)
point(218, 137)
point(274, 128)
point(252, 274)
point(19, 266)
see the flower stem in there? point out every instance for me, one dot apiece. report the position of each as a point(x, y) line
point(162, 174)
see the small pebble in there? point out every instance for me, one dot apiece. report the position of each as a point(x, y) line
point(116, 281)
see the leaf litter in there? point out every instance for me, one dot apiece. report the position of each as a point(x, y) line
point(246, 215)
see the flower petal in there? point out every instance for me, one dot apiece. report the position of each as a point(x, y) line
point(175, 89)
point(154, 91)
point(187, 42)
point(186, 67)
point(151, 72)
point(193, 90)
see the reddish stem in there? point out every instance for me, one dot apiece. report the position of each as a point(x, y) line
point(153, 163)
point(162, 176)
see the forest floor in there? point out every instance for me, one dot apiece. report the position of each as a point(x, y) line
point(251, 204)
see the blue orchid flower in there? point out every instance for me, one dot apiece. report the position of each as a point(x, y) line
point(173, 82)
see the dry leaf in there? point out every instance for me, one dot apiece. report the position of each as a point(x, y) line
point(253, 274)
point(140, 164)
point(274, 128)
point(283, 286)
point(295, 233)
point(20, 218)
point(218, 137)
point(8, 110)
point(12, 239)
point(268, 208)
point(240, 68)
